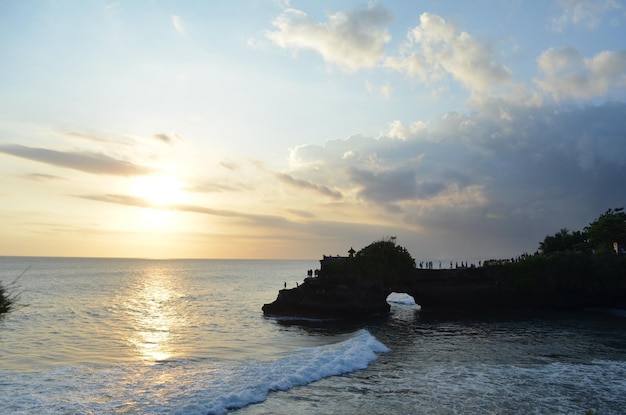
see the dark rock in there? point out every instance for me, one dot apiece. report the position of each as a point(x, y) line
point(330, 298)
point(565, 282)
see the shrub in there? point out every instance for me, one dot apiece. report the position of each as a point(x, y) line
point(385, 261)
point(7, 302)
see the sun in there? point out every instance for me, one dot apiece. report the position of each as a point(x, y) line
point(159, 190)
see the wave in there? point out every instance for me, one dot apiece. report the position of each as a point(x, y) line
point(400, 298)
point(184, 388)
point(297, 369)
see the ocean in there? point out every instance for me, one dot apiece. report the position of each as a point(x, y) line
point(132, 336)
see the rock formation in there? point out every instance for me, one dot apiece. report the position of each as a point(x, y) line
point(330, 298)
point(346, 287)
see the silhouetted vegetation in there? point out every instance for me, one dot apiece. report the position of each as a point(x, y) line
point(609, 228)
point(564, 241)
point(598, 237)
point(8, 297)
point(7, 301)
point(572, 271)
point(382, 260)
point(386, 261)
point(577, 265)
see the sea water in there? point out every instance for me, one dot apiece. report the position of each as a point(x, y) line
point(96, 336)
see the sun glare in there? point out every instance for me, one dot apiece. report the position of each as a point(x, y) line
point(159, 190)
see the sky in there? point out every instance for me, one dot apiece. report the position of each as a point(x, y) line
point(293, 129)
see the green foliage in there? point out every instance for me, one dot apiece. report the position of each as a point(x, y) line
point(610, 227)
point(8, 298)
point(597, 237)
point(7, 302)
point(346, 268)
point(563, 274)
point(385, 261)
point(563, 241)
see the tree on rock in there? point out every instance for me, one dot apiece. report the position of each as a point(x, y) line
point(563, 241)
point(385, 261)
point(609, 228)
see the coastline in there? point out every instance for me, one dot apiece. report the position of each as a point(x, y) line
point(563, 281)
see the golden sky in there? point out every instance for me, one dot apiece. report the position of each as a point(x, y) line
point(292, 129)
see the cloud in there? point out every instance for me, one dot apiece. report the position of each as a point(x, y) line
point(230, 165)
point(585, 13)
point(93, 137)
point(178, 24)
point(283, 4)
point(119, 199)
point(351, 40)
point(504, 172)
point(307, 185)
point(392, 185)
point(567, 74)
point(437, 48)
point(318, 235)
point(133, 201)
point(384, 90)
point(167, 138)
point(215, 187)
point(43, 177)
point(402, 132)
point(301, 213)
point(434, 50)
point(94, 163)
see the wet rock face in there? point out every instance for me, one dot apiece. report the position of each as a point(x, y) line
point(330, 298)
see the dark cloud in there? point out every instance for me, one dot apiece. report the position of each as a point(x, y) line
point(505, 175)
point(386, 186)
point(94, 163)
point(166, 138)
point(307, 185)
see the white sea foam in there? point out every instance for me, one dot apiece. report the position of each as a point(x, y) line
point(180, 389)
point(400, 298)
point(556, 388)
point(188, 337)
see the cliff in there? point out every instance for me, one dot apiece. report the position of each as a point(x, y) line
point(552, 282)
point(330, 298)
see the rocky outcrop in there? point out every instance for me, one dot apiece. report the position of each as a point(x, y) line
point(337, 297)
point(538, 285)
point(555, 282)
point(462, 288)
point(330, 298)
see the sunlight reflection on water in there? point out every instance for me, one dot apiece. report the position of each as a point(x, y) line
point(100, 312)
point(154, 313)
